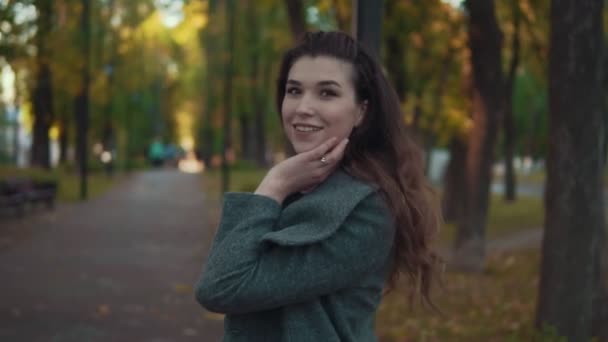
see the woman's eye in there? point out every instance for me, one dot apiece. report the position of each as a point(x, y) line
point(327, 93)
point(293, 91)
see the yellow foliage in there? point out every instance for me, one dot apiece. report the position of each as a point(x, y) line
point(185, 124)
point(526, 9)
point(416, 39)
point(196, 18)
point(27, 117)
point(54, 132)
point(125, 32)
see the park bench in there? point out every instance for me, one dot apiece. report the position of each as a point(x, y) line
point(21, 193)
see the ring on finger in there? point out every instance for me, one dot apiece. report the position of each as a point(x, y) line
point(324, 160)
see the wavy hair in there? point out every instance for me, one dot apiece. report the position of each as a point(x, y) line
point(381, 152)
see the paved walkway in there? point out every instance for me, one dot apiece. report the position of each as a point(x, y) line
point(117, 268)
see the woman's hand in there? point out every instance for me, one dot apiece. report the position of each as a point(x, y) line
point(302, 171)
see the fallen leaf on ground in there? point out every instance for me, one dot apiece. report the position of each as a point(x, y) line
point(103, 310)
point(183, 288)
point(190, 332)
point(213, 316)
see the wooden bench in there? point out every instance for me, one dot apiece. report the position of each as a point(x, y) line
point(20, 194)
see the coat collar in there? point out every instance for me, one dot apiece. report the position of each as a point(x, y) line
point(318, 214)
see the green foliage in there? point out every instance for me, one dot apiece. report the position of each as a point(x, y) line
point(530, 109)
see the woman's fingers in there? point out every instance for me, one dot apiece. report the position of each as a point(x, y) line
point(320, 151)
point(337, 153)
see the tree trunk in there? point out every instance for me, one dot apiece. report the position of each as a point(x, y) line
point(297, 19)
point(574, 204)
point(509, 126)
point(63, 141)
point(600, 304)
point(367, 16)
point(248, 142)
point(42, 92)
point(208, 41)
point(82, 102)
point(128, 119)
point(227, 119)
point(43, 116)
point(257, 133)
point(395, 55)
point(600, 299)
point(455, 190)
point(260, 122)
point(485, 40)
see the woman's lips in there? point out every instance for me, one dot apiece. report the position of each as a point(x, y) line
point(301, 128)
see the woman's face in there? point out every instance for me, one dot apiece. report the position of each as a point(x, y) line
point(319, 102)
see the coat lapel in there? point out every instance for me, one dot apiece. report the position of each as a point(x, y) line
point(318, 214)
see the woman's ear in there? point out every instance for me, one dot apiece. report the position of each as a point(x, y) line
point(361, 112)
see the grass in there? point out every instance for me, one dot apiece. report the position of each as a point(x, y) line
point(497, 305)
point(505, 218)
point(532, 177)
point(98, 183)
point(69, 182)
point(241, 180)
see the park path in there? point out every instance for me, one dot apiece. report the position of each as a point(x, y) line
point(117, 268)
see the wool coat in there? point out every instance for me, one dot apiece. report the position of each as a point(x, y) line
point(313, 270)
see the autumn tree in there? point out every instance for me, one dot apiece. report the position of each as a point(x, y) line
point(485, 42)
point(508, 120)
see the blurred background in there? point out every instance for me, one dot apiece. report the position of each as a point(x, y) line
point(122, 123)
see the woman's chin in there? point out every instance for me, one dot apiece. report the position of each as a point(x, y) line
point(303, 147)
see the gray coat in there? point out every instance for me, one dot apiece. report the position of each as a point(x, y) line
point(312, 271)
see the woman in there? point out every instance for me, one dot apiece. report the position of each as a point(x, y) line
point(307, 256)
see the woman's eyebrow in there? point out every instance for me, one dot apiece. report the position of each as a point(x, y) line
point(320, 83)
point(330, 82)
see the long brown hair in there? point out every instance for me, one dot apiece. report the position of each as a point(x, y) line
point(382, 153)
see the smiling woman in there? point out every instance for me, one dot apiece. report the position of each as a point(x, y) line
point(308, 255)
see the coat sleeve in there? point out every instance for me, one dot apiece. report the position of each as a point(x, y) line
point(245, 274)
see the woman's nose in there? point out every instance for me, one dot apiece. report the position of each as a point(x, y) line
point(305, 105)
